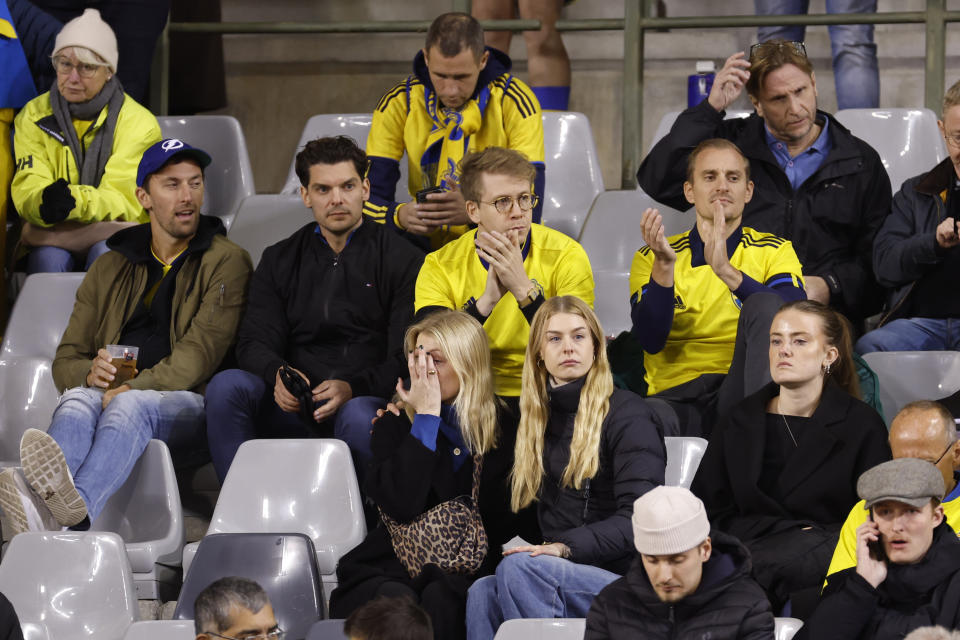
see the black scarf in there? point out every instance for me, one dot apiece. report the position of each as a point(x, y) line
point(91, 162)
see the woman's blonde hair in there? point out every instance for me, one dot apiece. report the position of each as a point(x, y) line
point(464, 344)
point(528, 469)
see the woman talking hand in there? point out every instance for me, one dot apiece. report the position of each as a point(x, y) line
point(424, 394)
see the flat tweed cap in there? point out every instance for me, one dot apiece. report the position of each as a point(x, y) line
point(908, 480)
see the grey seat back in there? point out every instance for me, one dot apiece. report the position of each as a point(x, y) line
point(285, 565)
point(229, 178)
point(71, 585)
point(908, 140)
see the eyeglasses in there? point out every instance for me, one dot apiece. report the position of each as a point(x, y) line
point(763, 50)
point(949, 446)
point(276, 634)
point(84, 69)
point(953, 139)
point(525, 201)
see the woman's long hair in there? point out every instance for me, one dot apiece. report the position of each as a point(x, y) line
point(528, 469)
point(464, 344)
point(836, 331)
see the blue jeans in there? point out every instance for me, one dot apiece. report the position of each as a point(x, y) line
point(102, 446)
point(241, 407)
point(855, 71)
point(913, 334)
point(532, 587)
point(57, 260)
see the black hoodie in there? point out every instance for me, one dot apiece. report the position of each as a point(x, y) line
point(728, 604)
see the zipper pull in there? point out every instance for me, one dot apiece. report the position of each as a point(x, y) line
point(222, 287)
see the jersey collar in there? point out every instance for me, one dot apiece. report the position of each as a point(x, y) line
point(696, 245)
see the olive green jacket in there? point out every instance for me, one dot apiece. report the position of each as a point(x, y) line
point(208, 301)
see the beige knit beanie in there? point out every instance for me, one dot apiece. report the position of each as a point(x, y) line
point(668, 520)
point(89, 31)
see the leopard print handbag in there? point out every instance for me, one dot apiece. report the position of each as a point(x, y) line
point(450, 535)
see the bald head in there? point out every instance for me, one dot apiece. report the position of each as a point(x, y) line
point(926, 430)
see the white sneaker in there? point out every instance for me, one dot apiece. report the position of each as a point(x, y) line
point(46, 470)
point(24, 509)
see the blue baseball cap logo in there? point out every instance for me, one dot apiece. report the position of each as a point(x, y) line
point(163, 152)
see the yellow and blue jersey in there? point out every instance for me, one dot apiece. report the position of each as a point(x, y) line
point(689, 329)
point(406, 121)
point(454, 276)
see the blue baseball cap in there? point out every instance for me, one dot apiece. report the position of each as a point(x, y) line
point(163, 152)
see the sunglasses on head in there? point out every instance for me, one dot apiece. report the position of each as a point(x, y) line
point(762, 50)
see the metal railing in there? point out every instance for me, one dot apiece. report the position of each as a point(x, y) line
point(635, 23)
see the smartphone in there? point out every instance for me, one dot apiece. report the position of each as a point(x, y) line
point(422, 194)
point(876, 547)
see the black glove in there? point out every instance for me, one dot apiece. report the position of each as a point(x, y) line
point(57, 203)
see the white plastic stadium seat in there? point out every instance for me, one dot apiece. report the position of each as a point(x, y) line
point(355, 125)
point(573, 176)
point(683, 458)
point(229, 178)
point(786, 627)
point(40, 314)
point(27, 393)
point(293, 485)
point(612, 233)
point(611, 301)
point(908, 140)
point(542, 629)
point(72, 586)
point(264, 220)
point(147, 514)
point(161, 630)
point(611, 236)
point(668, 119)
point(906, 376)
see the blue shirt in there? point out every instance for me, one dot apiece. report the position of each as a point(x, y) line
point(803, 166)
point(425, 428)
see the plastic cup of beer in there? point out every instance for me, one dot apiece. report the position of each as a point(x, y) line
point(124, 358)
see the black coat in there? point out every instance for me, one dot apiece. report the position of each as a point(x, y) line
point(332, 316)
point(406, 479)
point(843, 438)
point(728, 604)
point(831, 219)
point(595, 522)
point(906, 246)
point(9, 623)
point(912, 596)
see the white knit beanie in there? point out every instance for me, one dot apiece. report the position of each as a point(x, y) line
point(668, 520)
point(91, 32)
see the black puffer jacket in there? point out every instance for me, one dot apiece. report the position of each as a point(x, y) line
point(595, 521)
point(912, 596)
point(728, 604)
point(831, 219)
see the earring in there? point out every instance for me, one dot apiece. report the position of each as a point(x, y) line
point(826, 369)
point(540, 363)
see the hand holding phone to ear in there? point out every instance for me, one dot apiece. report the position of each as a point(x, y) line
point(871, 560)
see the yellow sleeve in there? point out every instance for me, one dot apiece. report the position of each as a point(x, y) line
point(35, 169)
point(115, 198)
point(385, 139)
point(574, 277)
point(640, 270)
point(785, 260)
point(845, 555)
point(523, 121)
point(433, 289)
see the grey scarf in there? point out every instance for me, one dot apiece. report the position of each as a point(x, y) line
point(92, 161)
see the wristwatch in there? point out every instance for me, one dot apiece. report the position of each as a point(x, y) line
point(531, 296)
